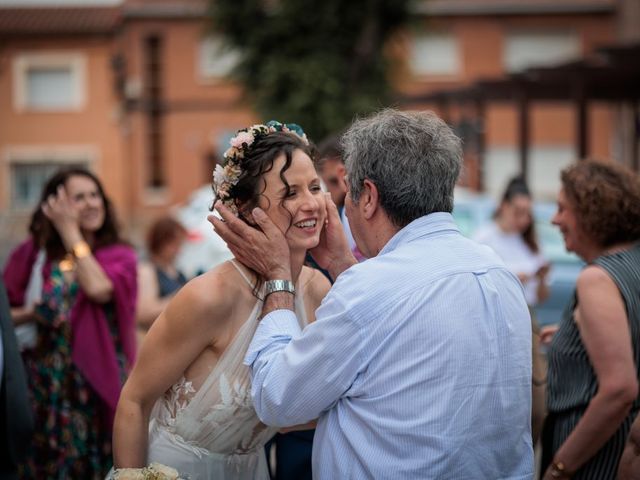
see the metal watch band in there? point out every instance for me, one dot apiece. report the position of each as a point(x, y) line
point(272, 286)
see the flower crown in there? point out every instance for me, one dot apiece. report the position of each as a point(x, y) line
point(227, 175)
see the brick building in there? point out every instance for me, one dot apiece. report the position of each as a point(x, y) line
point(136, 91)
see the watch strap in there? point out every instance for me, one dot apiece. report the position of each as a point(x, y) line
point(273, 286)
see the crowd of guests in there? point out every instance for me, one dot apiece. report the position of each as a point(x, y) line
point(81, 284)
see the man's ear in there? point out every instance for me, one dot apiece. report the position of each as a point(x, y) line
point(369, 199)
point(341, 171)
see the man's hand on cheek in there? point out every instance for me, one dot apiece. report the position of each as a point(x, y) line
point(263, 249)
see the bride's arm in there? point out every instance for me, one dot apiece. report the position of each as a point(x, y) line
point(177, 337)
point(316, 288)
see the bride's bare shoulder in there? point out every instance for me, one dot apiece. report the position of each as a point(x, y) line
point(212, 294)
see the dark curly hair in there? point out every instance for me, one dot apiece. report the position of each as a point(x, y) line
point(258, 160)
point(45, 234)
point(606, 200)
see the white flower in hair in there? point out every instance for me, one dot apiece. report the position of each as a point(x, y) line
point(226, 176)
point(219, 176)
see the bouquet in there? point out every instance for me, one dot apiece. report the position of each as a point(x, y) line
point(155, 471)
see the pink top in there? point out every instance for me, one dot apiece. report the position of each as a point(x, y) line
point(93, 350)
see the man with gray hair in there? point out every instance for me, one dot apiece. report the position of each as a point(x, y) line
point(419, 363)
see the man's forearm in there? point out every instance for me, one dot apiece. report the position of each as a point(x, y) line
point(277, 301)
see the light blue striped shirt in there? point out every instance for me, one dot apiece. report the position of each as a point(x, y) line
point(417, 367)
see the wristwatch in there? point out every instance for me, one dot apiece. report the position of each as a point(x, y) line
point(272, 286)
point(81, 249)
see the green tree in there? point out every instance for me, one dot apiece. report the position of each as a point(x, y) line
point(316, 63)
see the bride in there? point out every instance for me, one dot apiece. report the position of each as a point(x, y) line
point(187, 402)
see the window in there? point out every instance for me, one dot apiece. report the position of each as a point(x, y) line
point(435, 54)
point(28, 179)
point(528, 49)
point(49, 82)
point(215, 60)
point(26, 169)
point(545, 164)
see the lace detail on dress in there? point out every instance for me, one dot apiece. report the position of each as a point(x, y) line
point(232, 400)
point(178, 397)
point(211, 430)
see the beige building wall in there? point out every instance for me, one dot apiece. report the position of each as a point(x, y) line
point(197, 112)
point(90, 132)
point(481, 43)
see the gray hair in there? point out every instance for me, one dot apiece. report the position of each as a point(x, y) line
point(413, 158)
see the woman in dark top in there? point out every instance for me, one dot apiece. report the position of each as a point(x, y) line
point(595, 354)
point(159, 278)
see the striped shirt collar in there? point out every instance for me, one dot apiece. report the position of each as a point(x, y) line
point(427, 225)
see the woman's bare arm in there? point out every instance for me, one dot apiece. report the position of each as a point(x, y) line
point(21, 315)
point(178, 336)
point(604, 329)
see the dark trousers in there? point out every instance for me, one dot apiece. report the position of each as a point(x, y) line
point(293, 455)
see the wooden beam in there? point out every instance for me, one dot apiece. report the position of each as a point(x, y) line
point(523, 133)
point(480, 140)
point(581, 122)
point(635, 137)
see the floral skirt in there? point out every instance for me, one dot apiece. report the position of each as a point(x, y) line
point(72, 439)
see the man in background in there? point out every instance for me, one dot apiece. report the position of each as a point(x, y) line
point(333, 171)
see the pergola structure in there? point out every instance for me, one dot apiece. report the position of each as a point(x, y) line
point(610, 75)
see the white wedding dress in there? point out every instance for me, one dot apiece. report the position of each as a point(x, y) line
point(213, 432)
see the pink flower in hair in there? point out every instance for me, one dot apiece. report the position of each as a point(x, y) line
point(241, 138)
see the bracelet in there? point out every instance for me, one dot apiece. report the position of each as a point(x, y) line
point(81, 249)
point(273, 286)
point(558, 470)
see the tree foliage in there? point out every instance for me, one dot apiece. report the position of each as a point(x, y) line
point(316, 63)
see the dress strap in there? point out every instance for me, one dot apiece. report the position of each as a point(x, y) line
point(241, 272)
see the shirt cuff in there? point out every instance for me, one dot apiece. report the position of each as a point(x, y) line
point(277, 327)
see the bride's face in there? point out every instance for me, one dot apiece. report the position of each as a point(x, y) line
point(299, 212)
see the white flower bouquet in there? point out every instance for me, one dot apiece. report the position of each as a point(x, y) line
point(155, 471)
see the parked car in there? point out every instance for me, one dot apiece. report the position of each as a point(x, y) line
point(471, 211)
